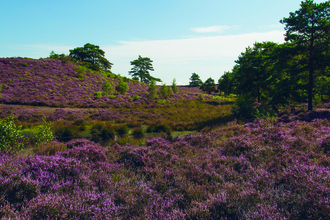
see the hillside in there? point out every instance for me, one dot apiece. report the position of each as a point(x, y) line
point(50, 82)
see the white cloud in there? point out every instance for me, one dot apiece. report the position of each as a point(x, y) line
point(279, 25)
point(215, 28)
point(36, 50)
point(178, 58)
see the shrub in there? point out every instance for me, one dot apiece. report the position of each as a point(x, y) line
point(174, 87)
point(122, 87)
point(244, 107)
point(65, 134)
point(138, 133)
point(107, 88)
point(154, 128)
point(201, 98)
point(164, 91)
point(135, 98)
point(107, 134)
point(45, 134)
point(152, 90)
point(10, 136)
point(123, 130)
point(98, 95)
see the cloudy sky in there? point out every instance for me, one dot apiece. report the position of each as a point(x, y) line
point(180, 36)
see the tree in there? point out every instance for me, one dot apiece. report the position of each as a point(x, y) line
point(174, 87)
point(209, 86)
point(152, 89)
point(195, 80)
point(255, 69)
point(141, 68)
point(224, 83)
point(309, 28)
point(91, 56)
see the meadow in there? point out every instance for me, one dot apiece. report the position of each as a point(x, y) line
point(183, 157)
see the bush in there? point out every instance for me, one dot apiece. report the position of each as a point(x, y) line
point(165, 91)
point(98, 95)
point(10, 136)
point(107, 134)
point(44, 135)
point(174, 87)
point(152, 90)
point(244, 107)
point(107, 88)
point(135, 98)
point(123, 130)
point(138, 133)
point(154, 128)
point(122, 87)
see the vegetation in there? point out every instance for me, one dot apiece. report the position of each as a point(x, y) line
point(141, 69)
point(195, 80)
point(10, 136)
point(122, 87)
point(209, 86)
point(91, 56)
point(171, 152)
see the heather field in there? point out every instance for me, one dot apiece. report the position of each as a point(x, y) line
point(76, 155)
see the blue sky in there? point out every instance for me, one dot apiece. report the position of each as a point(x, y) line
point(180, 36)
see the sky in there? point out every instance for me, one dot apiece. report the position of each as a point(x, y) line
point(180, 36)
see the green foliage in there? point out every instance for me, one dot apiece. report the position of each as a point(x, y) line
point(166, 91)
point(64, 58)
point(122, 87)
point(10, 136)
point(159, 128)
point(226, 83)
point(244, 107)
point(152, 90)
point(107, 134)
point(107, 88)
point(201, 98)
point(91, 56)
point(195, 80)
point(135, 98)
point(174, 87)
point(309, 29)
point(123, 130)
point(98, 95)
point(209, 86)
point(141, 69)
point(44, 134)
point(138, 133)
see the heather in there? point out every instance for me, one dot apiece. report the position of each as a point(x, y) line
point(52, 82)
point(264, 169)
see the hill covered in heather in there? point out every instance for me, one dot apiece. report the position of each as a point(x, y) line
point(51, 82)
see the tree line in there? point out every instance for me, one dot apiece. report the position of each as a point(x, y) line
point(293, 72)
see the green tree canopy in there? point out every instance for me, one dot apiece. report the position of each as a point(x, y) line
point(195, 80)
point(209, 86)
point(309, 28)
point(91, 56)
point(141, 68)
